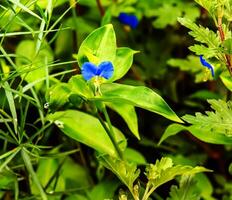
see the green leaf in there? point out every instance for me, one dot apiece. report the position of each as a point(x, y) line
point(168, 13)
point(104, 190)
point(210, 5)
point(227, 80)
point(207, 52)
point(192, 65)
point(80, 87)
point(86, 129)
point(76, 197)
point(186, 190)
point(122, 62)
point(45, 171)
point(171, 130)
point(218, 122)
point(227, 45)
point(74, 174)
point(164, 171)
point(201, 34)
point(135, 156)
point(7, 180)
point(127, 112)
point(125, 171)
point(209, 137)
point(36, 64)
point(57, 95)
point(204, 95)
point(99, 46)
point(138, 96)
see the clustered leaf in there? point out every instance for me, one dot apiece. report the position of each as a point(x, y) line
point(167, 12)
point(218, 121)
point(164, 171)
point(192, 65)
point(186, 190)
point(203, 35)
point(125, 171)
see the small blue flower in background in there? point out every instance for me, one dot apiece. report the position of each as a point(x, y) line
point(90, 70)
point(130, 20)
point(206, 64)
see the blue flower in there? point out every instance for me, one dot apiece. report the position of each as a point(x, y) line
point(89, 70)
point(206, 64)
point(130, 20)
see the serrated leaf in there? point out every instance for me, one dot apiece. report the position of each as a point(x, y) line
point(192, 65)
point(186, 190)
point(86, 129)
point(168, 13)
point(207, 52)
point(218, 121)
point(164, 171)
point(201, 34)
point(138, 96)
point(209, 5)
point(125, 171)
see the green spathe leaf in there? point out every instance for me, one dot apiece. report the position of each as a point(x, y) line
point(122, 62)
point(139, 96)
point(86, 129)
point(80, 87)
point(99, 46)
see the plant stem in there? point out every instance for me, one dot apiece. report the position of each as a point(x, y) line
point(145, 197)
point(222, 36)
point(146, 191)
point(109, 130)
point(100, 7)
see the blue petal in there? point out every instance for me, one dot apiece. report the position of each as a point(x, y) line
point(127, 19)
point(206, 64)
point(89, 70)
point(105, 69)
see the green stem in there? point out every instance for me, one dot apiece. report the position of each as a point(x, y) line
point(100, 7)
point(148, 193)
point(109, 130)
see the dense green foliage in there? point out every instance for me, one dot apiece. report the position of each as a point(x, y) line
point(121, 99)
